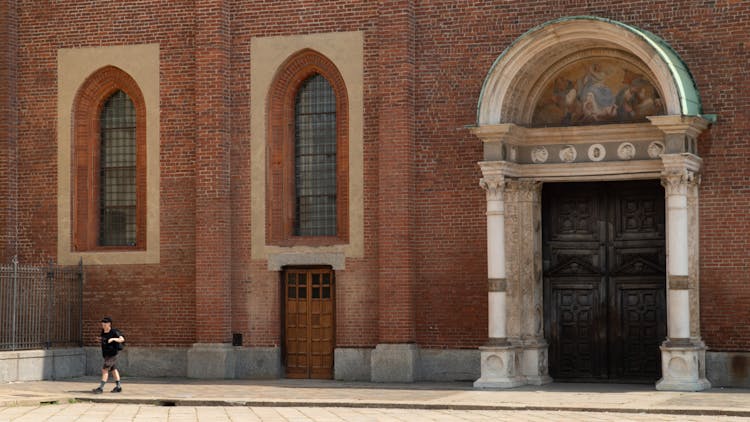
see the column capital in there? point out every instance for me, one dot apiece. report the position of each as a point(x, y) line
point(494, 186)
point(680, 172)
point(677, 182)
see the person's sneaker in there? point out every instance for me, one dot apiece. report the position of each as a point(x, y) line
point(117, 389)
point(97, 390)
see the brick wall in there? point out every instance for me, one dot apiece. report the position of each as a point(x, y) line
point(424, 66)
point(8, 130)
point(153, 304)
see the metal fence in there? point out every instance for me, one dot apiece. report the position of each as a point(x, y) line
point(40, 306)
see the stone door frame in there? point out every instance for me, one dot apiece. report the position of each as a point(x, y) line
point(518, 159)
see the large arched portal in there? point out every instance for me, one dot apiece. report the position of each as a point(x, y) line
point(585, 99)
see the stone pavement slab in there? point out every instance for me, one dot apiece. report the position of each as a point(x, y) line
point(283, 393)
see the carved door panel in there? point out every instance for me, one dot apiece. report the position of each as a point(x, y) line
point(309, 323)
point(604, 281)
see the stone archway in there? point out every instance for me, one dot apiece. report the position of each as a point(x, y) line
point(520, 155)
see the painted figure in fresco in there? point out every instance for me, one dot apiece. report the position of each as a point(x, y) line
point(597, 99)
point(637, 99)
point(585, 94)
point(564, 100)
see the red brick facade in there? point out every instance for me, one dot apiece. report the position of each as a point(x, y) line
point(423, 276)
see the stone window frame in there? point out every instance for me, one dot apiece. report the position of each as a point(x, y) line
point(280, 198)
point(85, 171)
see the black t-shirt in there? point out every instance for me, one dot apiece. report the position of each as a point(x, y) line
point(109, 349)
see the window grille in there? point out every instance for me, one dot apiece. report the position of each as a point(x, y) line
point(315, 158)
point(117, 225)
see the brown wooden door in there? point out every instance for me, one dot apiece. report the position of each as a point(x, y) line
point(309, 323)
point(604, 280)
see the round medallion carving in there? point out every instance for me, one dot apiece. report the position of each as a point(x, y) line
point(568, 154)
point(626, 151)
point(495, 363)
point(539, 155)
point(597, 152)
point(655, 149)
point(677, 367)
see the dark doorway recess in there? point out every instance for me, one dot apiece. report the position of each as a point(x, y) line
point(604, 280)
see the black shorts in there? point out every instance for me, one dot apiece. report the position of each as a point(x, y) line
point(110, 363)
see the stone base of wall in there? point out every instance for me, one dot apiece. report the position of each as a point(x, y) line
point(728, 369)
point(723, 369)
point(35, 365)
point(449, 365)
point(236, 362)
point(351, 364)
point(395, 362)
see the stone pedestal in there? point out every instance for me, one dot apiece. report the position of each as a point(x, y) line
point(394, 363)
point(211, 360)
point(534, 363)
point(683, 368)
point(500, 367)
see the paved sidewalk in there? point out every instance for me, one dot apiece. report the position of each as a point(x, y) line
point(314, 393)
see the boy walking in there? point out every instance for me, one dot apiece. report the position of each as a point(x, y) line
point(111, 339)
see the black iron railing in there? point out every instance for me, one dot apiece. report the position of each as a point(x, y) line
point(40, 306)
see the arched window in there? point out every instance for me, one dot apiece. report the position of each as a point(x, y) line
point(308, 179)
point(117, 169)
point(315, 158)
point(109, 163)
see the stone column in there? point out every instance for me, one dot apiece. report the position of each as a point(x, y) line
point(499, 358)
point(683, 356)
point(526, 248)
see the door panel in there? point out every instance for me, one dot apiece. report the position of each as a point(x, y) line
point(576, 307)
point(604, 280)
point(309, 323)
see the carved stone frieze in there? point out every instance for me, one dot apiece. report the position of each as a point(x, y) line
point(597, 152)
point(694, 257)
point(655, 149)
point(539, 155)
point(626, 151)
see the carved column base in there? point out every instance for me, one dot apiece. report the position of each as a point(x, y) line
point(683, 367)
point(534, 363)
point(500, 367)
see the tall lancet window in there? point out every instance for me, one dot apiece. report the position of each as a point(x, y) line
point(117, 189)
point(315, 170)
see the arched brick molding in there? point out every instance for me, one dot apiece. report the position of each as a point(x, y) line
point(515, 75)
point(87, 109)
point(280, 146)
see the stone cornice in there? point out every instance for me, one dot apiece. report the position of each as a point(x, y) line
point(518, 135)
point(498, 168)
point(672, 125)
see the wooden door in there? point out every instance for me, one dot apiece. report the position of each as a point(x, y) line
point(309, 323)
point(604, 280)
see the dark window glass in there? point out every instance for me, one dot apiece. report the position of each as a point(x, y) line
point(117, 172)
point(315, 158)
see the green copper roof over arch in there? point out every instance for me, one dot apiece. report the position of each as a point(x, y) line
point(690, 103)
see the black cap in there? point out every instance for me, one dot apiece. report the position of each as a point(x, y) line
point(107, 319)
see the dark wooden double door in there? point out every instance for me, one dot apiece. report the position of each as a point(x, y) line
point(309, 322)
point(604, 280)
